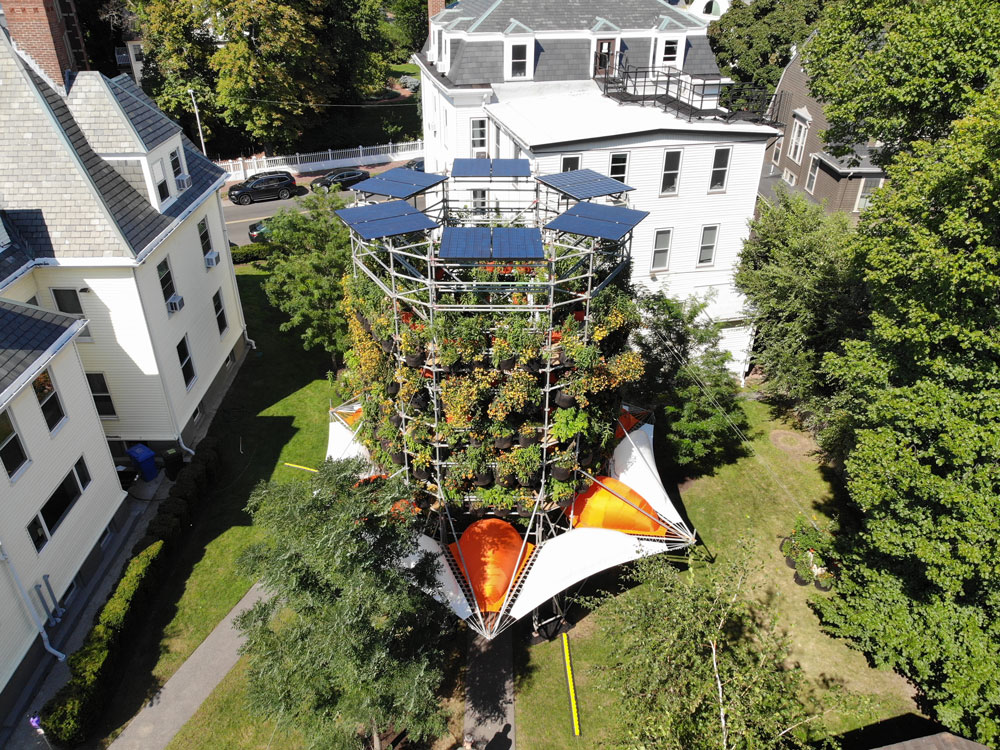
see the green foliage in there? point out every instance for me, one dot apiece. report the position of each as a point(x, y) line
point(74, 711)
point(753, 41)
point(250, 253)
point(687, 380)
point(410, 19)
point(568, 423)
point(896, 72)
point(920, 396)
point(350, 642)
point(310, 252)
point(695, 665)
point(805, 293)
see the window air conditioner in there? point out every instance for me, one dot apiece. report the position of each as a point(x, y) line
point(211, 259)
point(175, 303)
point(480, 155)
point(183, 181)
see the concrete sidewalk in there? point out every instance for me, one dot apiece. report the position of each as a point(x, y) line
point(176, 702)
point(489, 691)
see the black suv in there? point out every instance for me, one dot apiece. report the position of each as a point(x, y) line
point(343, 177)
point(279, 185)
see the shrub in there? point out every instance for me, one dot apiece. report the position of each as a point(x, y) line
point(70, 715)
point(185, 487)
point(249, 253)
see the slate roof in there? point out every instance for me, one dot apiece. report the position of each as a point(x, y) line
point(14, 253)
point(514, 16)
point(152, 125)
point(699, 60)
point(26, 332)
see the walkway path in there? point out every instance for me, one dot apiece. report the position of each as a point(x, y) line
point(489, 691)
point(176, 702)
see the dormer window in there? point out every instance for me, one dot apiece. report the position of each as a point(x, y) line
point(175, 163)
point(160, 179)
point(666, 53)
point(518, 60)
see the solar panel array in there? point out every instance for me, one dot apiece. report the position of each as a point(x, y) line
point(582, 184)
point(483, 243)
point(399, 183)
point(491, 168)
point(595, 220)
point(389, 219)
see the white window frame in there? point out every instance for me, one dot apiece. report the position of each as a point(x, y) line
point(159, 173)
point(15, 434)
point(813, 174)
point(529, 58)
point(663, 170)
point(220, 309)
point(564, 157)
point(106, 392)
point(659, 47)
point(206, 235)
point(169, 276)
point(725, 170)
point(776, 153)
point(85, 333)
point(857, 201)
point(181, 362)
point(789, 177)
point(180, 161)
point(81, 488)
point(653, 268)
point(797, 142)
point(611, 164)
point(714, 246)
point(480, 201)
point(53, 429)
point(481, 143)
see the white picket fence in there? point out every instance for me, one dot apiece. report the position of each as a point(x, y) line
point(240, 169)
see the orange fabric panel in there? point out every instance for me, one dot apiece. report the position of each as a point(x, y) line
point(626, 419)
point(352, 418)
point(490, 548)
point(597, 508)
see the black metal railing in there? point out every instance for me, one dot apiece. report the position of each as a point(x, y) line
point(686, 96)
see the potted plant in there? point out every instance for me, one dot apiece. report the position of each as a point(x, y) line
point(563, 465)
point(503, 354)
point(518, 392)
point(808, 550)
point(503, 435)
point(527, 464)
point(412, 343)
point(528, 434)
point(568, 423)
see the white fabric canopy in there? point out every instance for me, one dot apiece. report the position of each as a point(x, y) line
point(448, 592)
point(633, 464)
point(578, 554)
point(342, 443)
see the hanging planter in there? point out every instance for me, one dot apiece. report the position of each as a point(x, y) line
point(484, 478)
point(363, 322)
point(422, 473)
point(388, 345)
point(415, 360)
point(398, 458)
point(528, 435)
point(564, 400)
point(396, 420)
point(561, 473)
point(393, 388)
point(509, 482)
point(504, 442)
point(507, 364)
point(531, 480)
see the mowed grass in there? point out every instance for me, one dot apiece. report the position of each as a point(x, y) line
point(404, 69)
point(275, 412)
point(755, 498)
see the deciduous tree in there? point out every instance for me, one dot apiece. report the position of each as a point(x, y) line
point(897, 72)
point(349, 646)
point(920, 591)
point(311, 253)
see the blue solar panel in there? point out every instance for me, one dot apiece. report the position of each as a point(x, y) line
point(517, 243)
point(583, 184)
point(470, 168)
point(511, 168)
point(465, 242)
point(593, 220)
point(385, 219)
point(399, 183)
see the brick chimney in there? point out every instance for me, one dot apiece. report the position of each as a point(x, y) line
point(433, 8)
point(43, 30)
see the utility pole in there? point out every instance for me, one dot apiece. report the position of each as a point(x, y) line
point(197, 118)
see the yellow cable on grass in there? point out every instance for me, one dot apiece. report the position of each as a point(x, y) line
point(572, 687)
point(304, 468)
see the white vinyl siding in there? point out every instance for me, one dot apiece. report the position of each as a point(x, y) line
point(720, 170)
point(671, 180)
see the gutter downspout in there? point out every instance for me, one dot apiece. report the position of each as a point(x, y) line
point(4, 557)
point(236, 286)
point(180, 442)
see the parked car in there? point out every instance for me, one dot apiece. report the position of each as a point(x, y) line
point(415, 164)
point(259, 232)
point(279, 185)
point(343, 177)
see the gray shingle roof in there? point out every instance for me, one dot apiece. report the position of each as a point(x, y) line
point(564, 15)
point(25, 334)
point(699, 60)
point(14, 253)
point(153, 126)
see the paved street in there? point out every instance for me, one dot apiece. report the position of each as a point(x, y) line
point(239, 218)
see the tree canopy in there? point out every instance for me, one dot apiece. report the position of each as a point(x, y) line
point(753, 41)
point(920, 589)
point(696, 666)
point(896, 72)
point(311, 252)
point(349, 646)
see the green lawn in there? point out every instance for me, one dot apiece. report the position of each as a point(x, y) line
point(755, 497)
point(276, 411)
point(404, 69)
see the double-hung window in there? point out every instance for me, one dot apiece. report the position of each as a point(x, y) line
point(175, 163)
point(478, 135)
point(619, 167)
point(670, 183)
point(220, 312)
point(184, 359)
point(48, 400)
point(709, 239)
point(776, 154)
point(519, 61)
point(59, 504)
point(570, 163)
point(811, 177)
point(12, 453)
point(669, 52)
point(866, 192)
point(479, 201)
point(798, 140)
point(661, 249)
point(166, 279)
point(204, 236)
point(102, 395)
point(68, 301)
point(160, 178)
point(720, 169)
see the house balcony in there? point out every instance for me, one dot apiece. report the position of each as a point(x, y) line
point(688, 97)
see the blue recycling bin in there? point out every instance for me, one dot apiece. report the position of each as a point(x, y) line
point(145, 461)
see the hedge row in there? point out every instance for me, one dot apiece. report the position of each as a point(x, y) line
point(247, 253)
point(73, 712)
